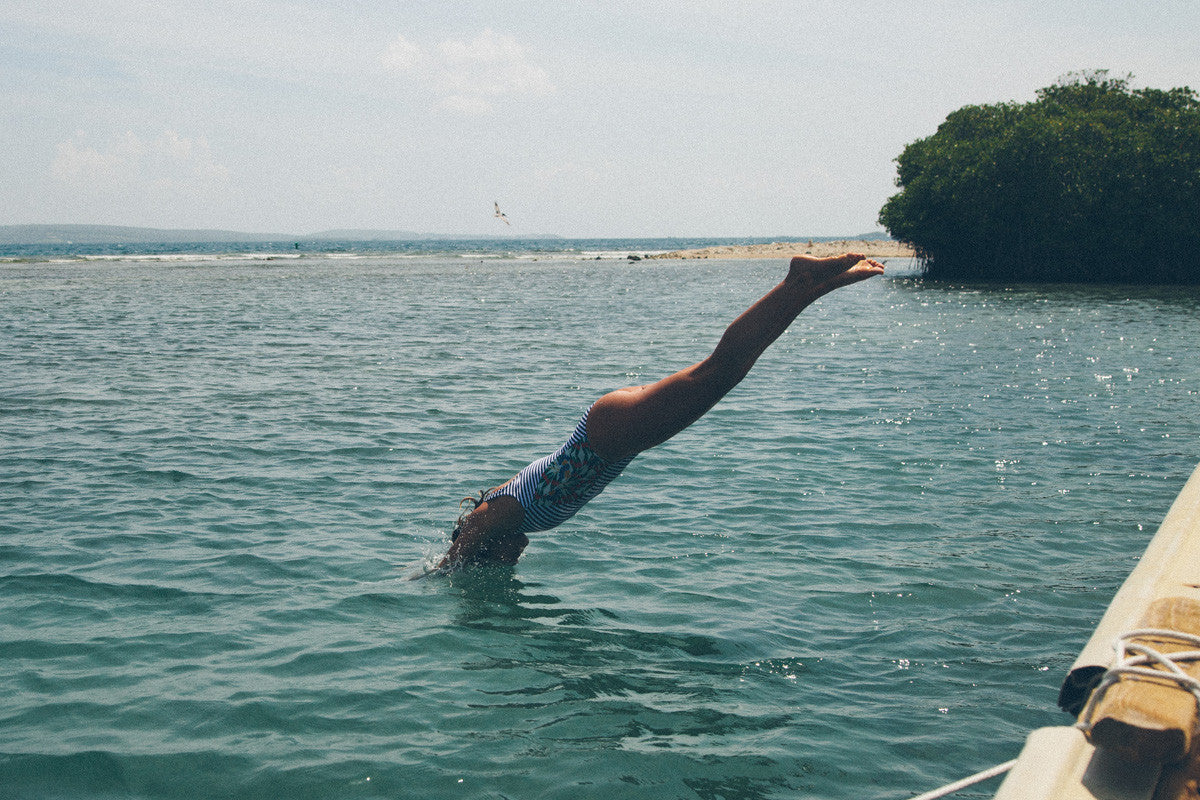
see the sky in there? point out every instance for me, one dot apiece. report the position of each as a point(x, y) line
point(621, 118)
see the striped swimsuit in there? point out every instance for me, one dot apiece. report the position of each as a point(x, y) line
point(552, 489)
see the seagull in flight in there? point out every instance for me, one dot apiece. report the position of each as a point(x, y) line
point(500, 213)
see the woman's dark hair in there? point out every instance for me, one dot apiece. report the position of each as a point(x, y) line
point(475, 503)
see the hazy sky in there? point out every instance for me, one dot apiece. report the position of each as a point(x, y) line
point(613, 118)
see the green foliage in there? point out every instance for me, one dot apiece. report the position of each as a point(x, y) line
point(1092, 182)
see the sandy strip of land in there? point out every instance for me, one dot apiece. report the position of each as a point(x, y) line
point(871, 248)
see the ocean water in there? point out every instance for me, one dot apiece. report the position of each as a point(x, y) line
point(862, 575)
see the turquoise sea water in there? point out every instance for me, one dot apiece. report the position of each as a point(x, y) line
point(863, 575)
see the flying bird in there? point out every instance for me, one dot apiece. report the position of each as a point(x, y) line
point(500, 213)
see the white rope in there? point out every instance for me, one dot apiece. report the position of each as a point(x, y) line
point(1127, 664)
point(978, 777)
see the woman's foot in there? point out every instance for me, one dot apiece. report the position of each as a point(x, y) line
point(826, 274)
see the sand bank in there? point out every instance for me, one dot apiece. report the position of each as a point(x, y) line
point(869, 247)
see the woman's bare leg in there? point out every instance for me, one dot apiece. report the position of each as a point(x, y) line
point(637, 418)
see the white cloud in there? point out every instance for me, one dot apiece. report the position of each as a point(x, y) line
point(404, 56)
point(469, 75)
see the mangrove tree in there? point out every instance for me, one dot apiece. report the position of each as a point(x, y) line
point(1092, 182)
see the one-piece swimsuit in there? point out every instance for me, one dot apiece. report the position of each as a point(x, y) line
point(552, 489)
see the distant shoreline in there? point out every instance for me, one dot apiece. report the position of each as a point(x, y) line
point(123, 234)
point(872, 248)
point(688, 247)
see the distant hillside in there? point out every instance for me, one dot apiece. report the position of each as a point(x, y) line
point(118, 234)
point(366, 235)
point(115, 234)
